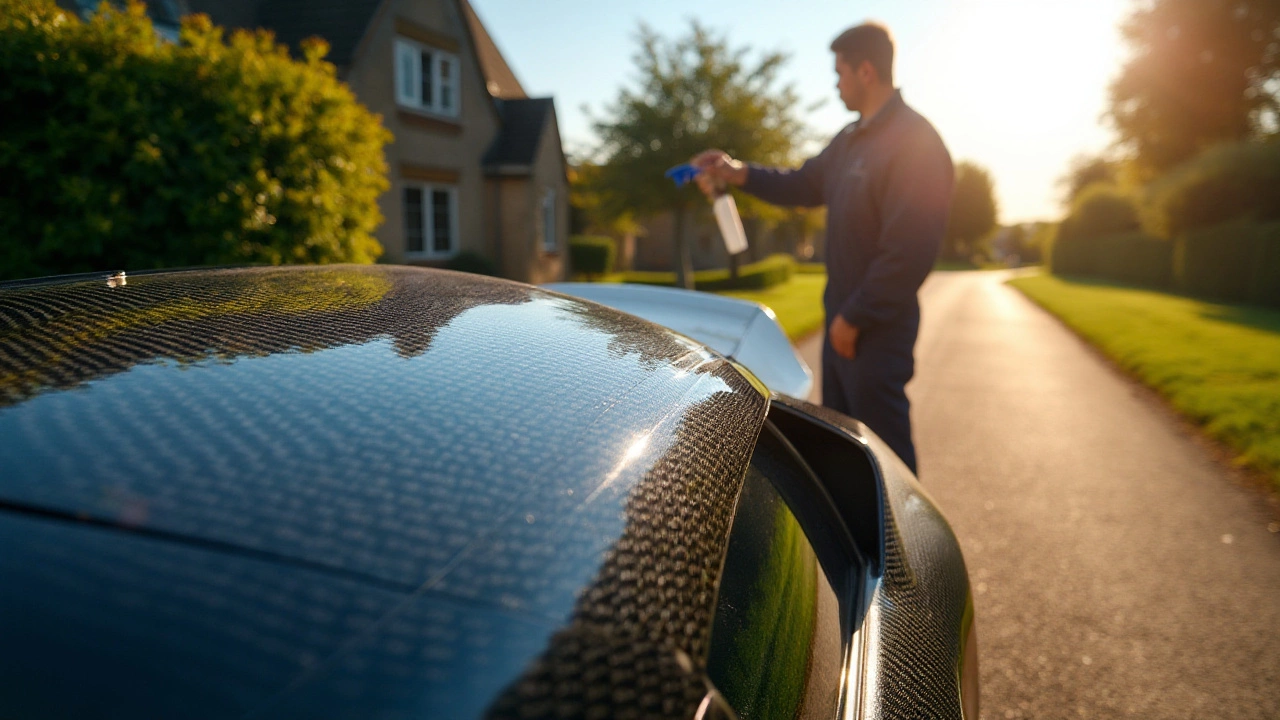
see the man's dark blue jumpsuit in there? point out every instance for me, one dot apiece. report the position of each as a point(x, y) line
point(887, 187)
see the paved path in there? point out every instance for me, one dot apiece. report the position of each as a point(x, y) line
point(1119, 570)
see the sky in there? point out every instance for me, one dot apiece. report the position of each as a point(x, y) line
point(1017, 86)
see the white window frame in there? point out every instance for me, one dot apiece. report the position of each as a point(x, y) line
point(428, 251)
point(550, 239)
point(408, 78)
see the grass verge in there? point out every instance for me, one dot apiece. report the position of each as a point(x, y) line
point(797, 302)
point(1219, 364)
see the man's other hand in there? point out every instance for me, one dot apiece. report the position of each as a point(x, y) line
point(718, 170)
point(843, 337)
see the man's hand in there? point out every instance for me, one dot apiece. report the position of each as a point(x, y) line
point(718, 170)
point(843, 337)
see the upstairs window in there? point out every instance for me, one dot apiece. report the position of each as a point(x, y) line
point(426, 78)
point(430, 221)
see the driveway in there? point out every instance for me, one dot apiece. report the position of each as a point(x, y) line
point(1119, 569)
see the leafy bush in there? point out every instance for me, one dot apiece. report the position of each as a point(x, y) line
point(121, 151)
point(591, 255)
point(1099, 211)
point(471, 262)
point(1225, 183)
point(771, 271)
point(1237, 261)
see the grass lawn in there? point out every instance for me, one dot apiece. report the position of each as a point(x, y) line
point(797, 302)
point(1219, 364)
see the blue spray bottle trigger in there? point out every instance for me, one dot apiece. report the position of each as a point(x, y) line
point(682, 174)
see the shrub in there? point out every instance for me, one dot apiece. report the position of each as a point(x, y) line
point(591, 255)
point(1226, 182)
point(471, 262)
point(1237, 261)
point(1099, 211)
point(121, 151)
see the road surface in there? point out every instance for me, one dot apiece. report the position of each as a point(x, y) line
point(1119, 569)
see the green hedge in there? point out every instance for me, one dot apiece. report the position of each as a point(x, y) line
point(1131, 258)
point(120, 151)
point(591, 255)
point(1234, 181)
point(773, 270)
point(1135, 259)
point(1237, 261)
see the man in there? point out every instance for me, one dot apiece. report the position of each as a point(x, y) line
point(886, 181)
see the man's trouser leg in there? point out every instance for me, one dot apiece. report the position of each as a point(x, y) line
point(872, 388)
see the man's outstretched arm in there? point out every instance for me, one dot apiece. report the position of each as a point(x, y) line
point(800, 187)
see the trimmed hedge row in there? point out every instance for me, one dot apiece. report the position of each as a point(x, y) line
point(1234, 262)
point(771, 271)
point(1237, 261)
point(591, 255)
point(1130, 257)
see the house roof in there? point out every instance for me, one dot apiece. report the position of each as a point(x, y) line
point(340, 22)
point(522, 125)
point(500, 80)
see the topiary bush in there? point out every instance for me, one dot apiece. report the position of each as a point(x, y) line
point(120, 151)
point(591, 255)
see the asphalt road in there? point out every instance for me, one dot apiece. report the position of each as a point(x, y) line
point(1120, 569)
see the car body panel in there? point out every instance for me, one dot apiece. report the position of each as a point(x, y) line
point(488, 459)
point(738, 329)
point(918, 615)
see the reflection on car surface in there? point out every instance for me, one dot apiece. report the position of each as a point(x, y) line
point(354, 492)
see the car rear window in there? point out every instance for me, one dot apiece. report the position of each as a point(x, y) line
point(776, 645)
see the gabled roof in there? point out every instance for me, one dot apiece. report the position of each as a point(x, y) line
point(343, 23)
point(499, 79)
point(522, 125)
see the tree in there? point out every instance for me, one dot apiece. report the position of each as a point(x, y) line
point(693, 93)
point(973, 211)
point(120, 151)
point(1202, 72)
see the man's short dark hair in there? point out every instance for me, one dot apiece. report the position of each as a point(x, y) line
point(870, 42)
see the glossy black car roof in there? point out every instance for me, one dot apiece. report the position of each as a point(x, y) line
point(347, 491)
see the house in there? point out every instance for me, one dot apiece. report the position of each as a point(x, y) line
point(476, 165)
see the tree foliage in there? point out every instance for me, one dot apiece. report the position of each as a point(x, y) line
point(973, 211)
point(1202, 72)
point(692, 93)
point(122, 151)
point(1087, 170)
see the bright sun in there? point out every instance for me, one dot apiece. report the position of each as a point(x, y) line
point(1019, 86)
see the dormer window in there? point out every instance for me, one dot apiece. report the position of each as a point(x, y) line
point(426, 78)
